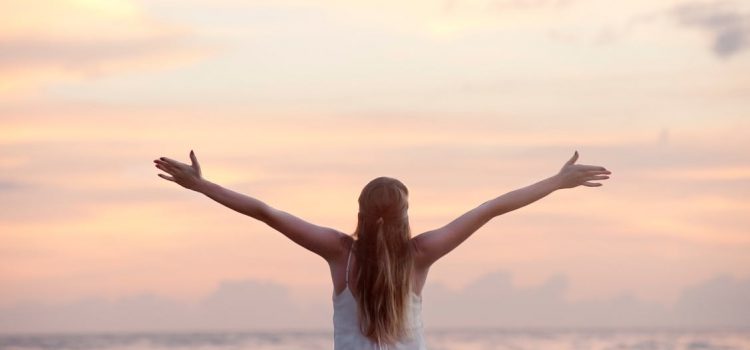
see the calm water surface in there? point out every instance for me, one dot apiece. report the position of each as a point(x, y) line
point(436, 340)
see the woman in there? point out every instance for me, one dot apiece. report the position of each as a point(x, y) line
point(378, 272)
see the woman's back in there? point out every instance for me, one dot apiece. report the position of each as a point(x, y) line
point(347, 333)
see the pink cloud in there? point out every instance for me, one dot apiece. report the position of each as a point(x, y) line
point(72, 40)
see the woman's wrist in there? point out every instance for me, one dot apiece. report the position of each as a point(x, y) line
point(556, 181)
point(202, 186)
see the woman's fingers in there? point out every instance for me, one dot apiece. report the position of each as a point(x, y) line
point(165, 177)
point(591, 167)
point(591, 184)
point(573, 159)
point(194, 162)
point(165, 167)
point(171, 167)
point(159, 161)
point(597, 177)
point(171, 162)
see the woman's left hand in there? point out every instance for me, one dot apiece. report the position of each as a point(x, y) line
point(188, 176)
point(573, 175)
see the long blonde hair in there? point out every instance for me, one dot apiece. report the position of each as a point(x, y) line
point(384, 260)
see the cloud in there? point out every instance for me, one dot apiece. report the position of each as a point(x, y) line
point(721, 301)
point(8, 186)
point(493, 301)
point(251, 304)
point(243, 304)
point(73, 40)
point(727, 23)
point(490, 301)
point(83, 55)
point(728, 26)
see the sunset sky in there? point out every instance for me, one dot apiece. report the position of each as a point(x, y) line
point(301, 103)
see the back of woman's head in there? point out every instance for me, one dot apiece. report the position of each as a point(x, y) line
point(384, 259)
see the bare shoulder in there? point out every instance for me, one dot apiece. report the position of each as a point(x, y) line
point(421, 261)
point(345, 242)
point(421, 265)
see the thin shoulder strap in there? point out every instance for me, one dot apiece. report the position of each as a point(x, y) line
point(349, 259)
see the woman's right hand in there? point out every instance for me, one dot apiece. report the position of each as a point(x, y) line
point(572, 175)
point(188, 176)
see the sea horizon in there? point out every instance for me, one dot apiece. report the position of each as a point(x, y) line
point(437, 338)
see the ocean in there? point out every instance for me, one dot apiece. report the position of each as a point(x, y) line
point(436, 340)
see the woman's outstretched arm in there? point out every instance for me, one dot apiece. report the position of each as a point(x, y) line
point(323, 241)
point(433, 245)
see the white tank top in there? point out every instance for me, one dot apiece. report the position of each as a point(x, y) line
point(346, 333)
